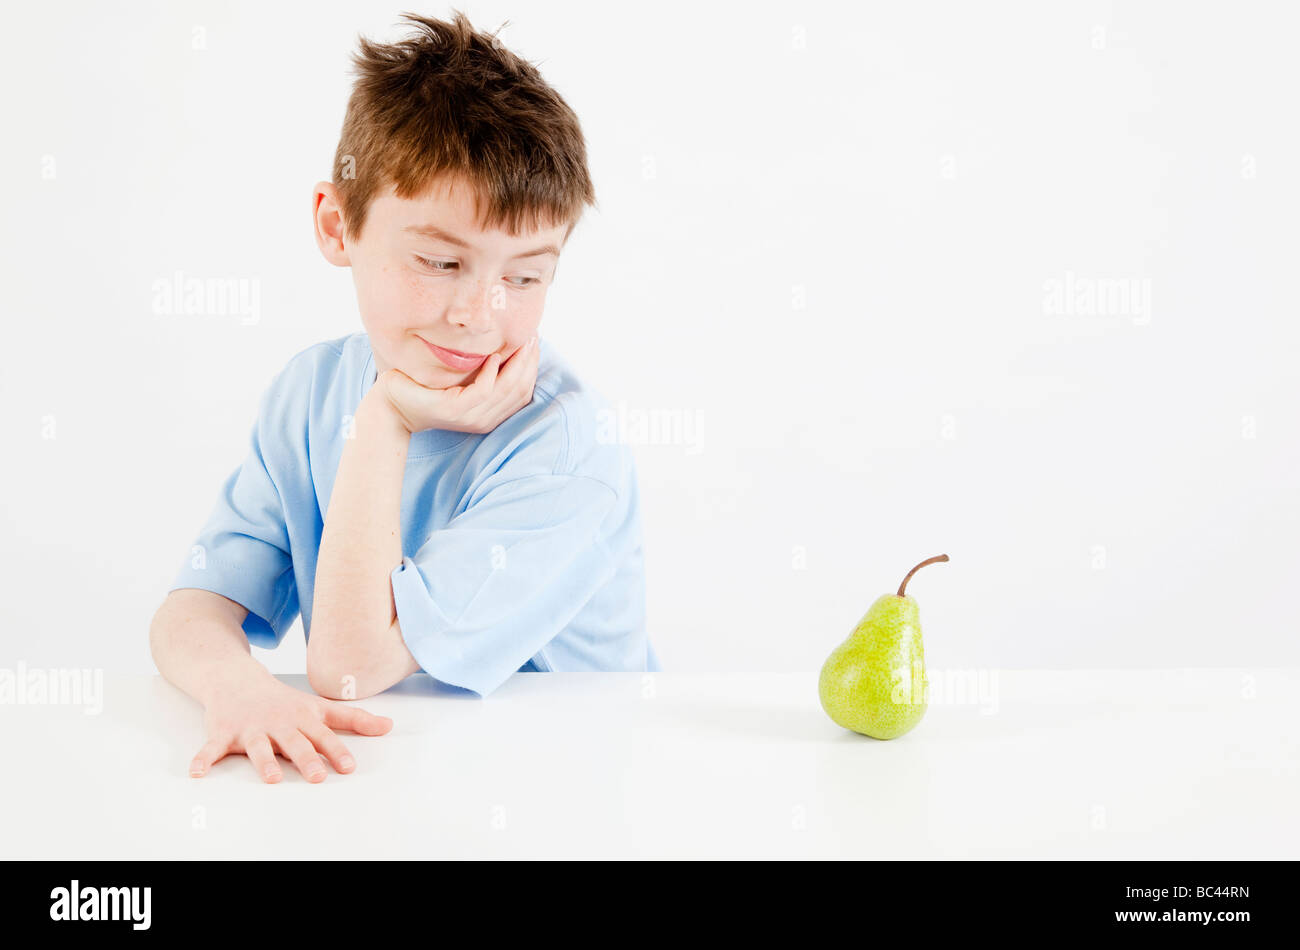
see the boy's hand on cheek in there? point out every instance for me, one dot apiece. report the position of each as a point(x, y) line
point(497, 393)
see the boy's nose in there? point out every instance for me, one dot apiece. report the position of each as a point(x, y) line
point(472, 307)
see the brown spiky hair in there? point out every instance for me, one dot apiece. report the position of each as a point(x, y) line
point(451, 101)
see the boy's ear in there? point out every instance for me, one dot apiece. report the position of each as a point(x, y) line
point(327, 218)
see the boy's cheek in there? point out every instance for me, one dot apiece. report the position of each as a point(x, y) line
point(414, 298)
point(393, 301)
point(520, 325)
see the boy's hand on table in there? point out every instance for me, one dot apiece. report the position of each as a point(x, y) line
point(260, 716)
point(478, 407)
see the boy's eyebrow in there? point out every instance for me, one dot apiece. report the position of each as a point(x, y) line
point(429, 231)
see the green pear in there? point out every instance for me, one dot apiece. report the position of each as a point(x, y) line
point(874, 682)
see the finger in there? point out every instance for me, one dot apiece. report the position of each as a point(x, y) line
point(213, 751)
point(524, 378)
point(262, 756)
point(534, 361)
point(520, 358)
point(329, 745)
point(487, 376)
point(514, 390)
point(355, 719)
point(470, 400)
point(525, 398)
point(298, 749)
point(527, 373)
point(511, 378)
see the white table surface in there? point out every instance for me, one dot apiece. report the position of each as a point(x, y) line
point(1195, 764)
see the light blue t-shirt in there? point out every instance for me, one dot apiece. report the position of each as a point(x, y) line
point(521, 547)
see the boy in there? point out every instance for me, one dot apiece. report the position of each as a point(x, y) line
point(430, 494)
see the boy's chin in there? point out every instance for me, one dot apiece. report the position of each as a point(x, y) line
point(439, 377)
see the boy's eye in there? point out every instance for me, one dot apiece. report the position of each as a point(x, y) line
point(444, 266)
point(435, 265)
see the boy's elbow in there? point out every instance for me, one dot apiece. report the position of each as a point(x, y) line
point(156, 636)
point(161, 627)
point(333, 677)
point(322, 673)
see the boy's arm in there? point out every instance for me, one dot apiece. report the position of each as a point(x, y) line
point(198, 643)
point(355, 647)
point(199, 646)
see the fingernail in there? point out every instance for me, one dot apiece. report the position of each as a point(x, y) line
point(347, 762)
point(196, 769)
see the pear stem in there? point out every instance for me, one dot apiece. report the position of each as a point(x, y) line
point(903, 586)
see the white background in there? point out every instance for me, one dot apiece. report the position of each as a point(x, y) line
point(826, 235)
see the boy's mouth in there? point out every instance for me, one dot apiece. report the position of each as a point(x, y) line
point(455, 359)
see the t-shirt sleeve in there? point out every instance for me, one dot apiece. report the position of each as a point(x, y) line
point(242, 552)
point(487, 592)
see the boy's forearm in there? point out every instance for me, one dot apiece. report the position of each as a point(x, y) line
point(353, 611)
point(200, 650)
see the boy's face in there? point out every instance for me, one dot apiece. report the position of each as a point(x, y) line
point(419, 289)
